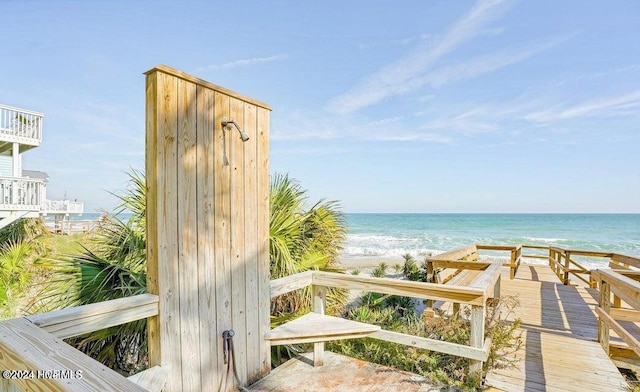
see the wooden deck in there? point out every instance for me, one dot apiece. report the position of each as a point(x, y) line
point(339, 373)
point(560, 331)
point(560, 351)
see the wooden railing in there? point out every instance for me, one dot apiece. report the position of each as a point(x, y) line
point(31, 348)
point(561, 261)
point(63, 207)
point(515, 256)
point(317, 328)
point(617, 286)
point(21, 194)
point(20, 125)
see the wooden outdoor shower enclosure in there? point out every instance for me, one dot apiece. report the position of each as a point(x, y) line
point(207, 229)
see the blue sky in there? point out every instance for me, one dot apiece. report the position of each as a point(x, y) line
point(386, 106)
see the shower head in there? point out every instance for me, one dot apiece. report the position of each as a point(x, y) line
point(226, 124)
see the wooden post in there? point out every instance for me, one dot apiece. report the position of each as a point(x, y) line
point(605, 305)
point(512, 268)
point(496, 288)
point(477, 336)
point(552, 256)
point(431, 279)
point(567, 266)
point(207, 230)
point(319, 303)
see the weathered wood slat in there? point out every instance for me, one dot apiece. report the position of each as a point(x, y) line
point(314, 327)
point(487, 279)
point(152, 379)
point(205, 198)
point(262, 166)
point(75, 321)
point(468, 253)
point(626, 336)
point(434, 345)
point(222, 223)
point(624, 287)
point(495, 247)
point(290, 283)
point(625, 315)
point(401, 287)
point(25, 346)
point(238, 243)
point(253, 299)
point(188, 235)
point(623, 259)
point(465, 265)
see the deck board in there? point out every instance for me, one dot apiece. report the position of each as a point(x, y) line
point(559, 330)
point(560, 353)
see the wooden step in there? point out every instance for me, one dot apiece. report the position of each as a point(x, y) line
point(152, 379)
point(314, 327)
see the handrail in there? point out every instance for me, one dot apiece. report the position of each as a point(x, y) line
point(20, 124)
point(475, 295)
point(66, 323)
point(609, 313)
point(34, 342)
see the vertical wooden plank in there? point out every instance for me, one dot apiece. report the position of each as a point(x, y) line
point(153, 96)
point(187, 237)
point(238, 270)
point(209, 337)
point(167, 201)
point(251, 243)
point(477, 336)
point(222, 211)
point(603, 326)
point(567, 265)
point(263, 237)
point(318, 305)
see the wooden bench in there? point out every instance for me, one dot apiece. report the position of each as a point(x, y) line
point(459, 267)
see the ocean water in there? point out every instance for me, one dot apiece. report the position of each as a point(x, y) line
point(389, 236)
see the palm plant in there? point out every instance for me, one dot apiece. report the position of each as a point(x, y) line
point(113, 265)
point(301, 239)
point(14, 275)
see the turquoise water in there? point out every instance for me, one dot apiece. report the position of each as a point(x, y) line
point(392, 235)
point(389, 236)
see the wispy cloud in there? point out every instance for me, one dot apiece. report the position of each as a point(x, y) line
point(622, 105)
point(480, 65)
point(243, 63)
point(398, 77)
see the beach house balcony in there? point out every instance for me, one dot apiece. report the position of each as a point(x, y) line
point(23, 193)
point(62, 207)
point(20, 126)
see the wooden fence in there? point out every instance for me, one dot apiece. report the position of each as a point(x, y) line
point(317, 327)
point(35, 344)
point(615, 287)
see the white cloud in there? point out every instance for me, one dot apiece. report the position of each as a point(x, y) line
point(398, 77)
point(623, 105)
point(243, 63)
point(479, 65)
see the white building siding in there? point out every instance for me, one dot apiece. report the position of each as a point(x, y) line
point(6, 166)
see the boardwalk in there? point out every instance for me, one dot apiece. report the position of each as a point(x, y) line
point(560, 329)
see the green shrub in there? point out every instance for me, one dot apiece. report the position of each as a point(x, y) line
point(355, 271)
point(380, 271)
point(392, 313)
point(411, 269)
point(397, 268)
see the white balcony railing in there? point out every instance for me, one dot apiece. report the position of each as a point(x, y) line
point(21, 194)
point(20, 125)
point(63, 207)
